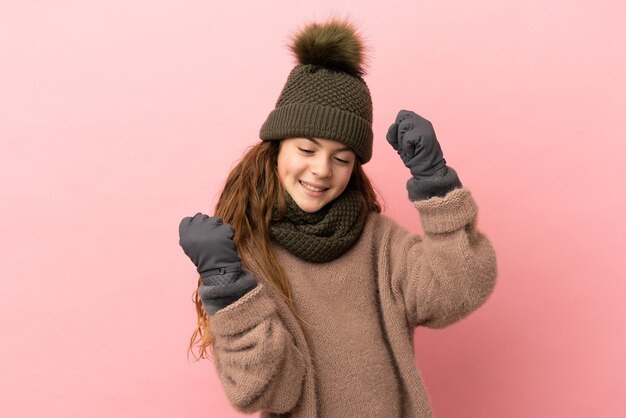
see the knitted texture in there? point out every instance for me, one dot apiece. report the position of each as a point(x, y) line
point(324, 235)
point(325, 95)
point(360, 311)
point(321, 103)
point(437, 221)
point(244, 347)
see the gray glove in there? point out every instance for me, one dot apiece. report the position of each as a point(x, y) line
point(208, 242)
point(414, 139)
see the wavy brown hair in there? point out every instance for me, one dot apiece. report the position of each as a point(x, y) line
point(247, 201)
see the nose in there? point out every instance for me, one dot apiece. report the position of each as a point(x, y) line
point(321, 168)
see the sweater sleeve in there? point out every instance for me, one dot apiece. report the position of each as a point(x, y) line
point(255, 355)
point(448, 273)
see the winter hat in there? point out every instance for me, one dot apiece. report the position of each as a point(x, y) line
point(325, 95)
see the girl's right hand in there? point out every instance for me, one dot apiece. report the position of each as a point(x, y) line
point(209, 243)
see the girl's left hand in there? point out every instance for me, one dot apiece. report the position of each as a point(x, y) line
point(413, 137)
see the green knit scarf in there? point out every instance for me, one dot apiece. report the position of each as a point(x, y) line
point(324, 235)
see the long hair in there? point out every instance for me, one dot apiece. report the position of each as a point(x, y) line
point(252, 189)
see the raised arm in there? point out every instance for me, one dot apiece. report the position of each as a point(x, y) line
point(255, 354)
point(450, 271)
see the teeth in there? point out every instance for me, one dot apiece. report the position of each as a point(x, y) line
point(312, 188)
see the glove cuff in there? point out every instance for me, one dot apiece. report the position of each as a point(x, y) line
point(444, 181)
point(220, 290)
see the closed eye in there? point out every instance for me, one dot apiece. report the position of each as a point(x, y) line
point(306, 151)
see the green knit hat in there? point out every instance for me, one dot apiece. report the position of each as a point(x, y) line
point(325, 95)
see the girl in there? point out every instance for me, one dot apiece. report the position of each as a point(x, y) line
point(308, 296)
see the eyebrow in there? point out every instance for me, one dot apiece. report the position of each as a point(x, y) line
point(316, 142)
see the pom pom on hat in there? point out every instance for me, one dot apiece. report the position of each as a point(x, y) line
point(335, 45)
point(325, 95)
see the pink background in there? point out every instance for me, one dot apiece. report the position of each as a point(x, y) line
point(119, 118)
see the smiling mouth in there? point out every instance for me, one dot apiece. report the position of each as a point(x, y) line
point(313, 188)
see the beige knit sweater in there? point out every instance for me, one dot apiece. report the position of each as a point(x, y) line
point(360, 311)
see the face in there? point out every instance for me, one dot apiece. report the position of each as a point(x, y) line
point(314, 171)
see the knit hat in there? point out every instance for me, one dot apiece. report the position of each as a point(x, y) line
point(325, 95)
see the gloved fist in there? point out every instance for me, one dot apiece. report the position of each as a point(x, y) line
point(208, 242)
point(413, 137)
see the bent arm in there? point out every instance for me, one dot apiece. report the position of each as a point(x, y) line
point(448, 273)
point(255, 356)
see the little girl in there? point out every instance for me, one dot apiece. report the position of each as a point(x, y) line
point(308, 297)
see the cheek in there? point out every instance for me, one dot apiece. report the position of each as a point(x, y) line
point(345, 177)
point(280, 169)
point(286, 167)
point(281, 165)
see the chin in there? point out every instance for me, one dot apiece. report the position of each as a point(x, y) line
point(310, 207)
point(312, 204)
